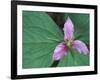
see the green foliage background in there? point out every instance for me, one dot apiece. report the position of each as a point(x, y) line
point(43, 31)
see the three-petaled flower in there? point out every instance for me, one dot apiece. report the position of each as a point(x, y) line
point(63, 48)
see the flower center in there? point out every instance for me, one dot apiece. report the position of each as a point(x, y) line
point(68, 43)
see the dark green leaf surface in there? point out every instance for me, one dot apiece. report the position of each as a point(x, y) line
point(40, 37)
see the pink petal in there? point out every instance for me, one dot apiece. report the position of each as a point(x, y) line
point(80, 46)
point(59, 51)
point(68, 29)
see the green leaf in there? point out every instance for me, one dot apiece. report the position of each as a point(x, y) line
point(81, 25)
point(74, 59)
point(40, 37)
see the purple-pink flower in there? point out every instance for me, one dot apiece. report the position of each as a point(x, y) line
point(62, 48)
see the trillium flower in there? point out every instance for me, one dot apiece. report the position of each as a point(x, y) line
point(63, 48)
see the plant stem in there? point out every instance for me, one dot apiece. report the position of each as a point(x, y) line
point(54, 64)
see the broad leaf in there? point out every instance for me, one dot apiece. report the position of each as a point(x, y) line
point(74, 59)
point(40, 37)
